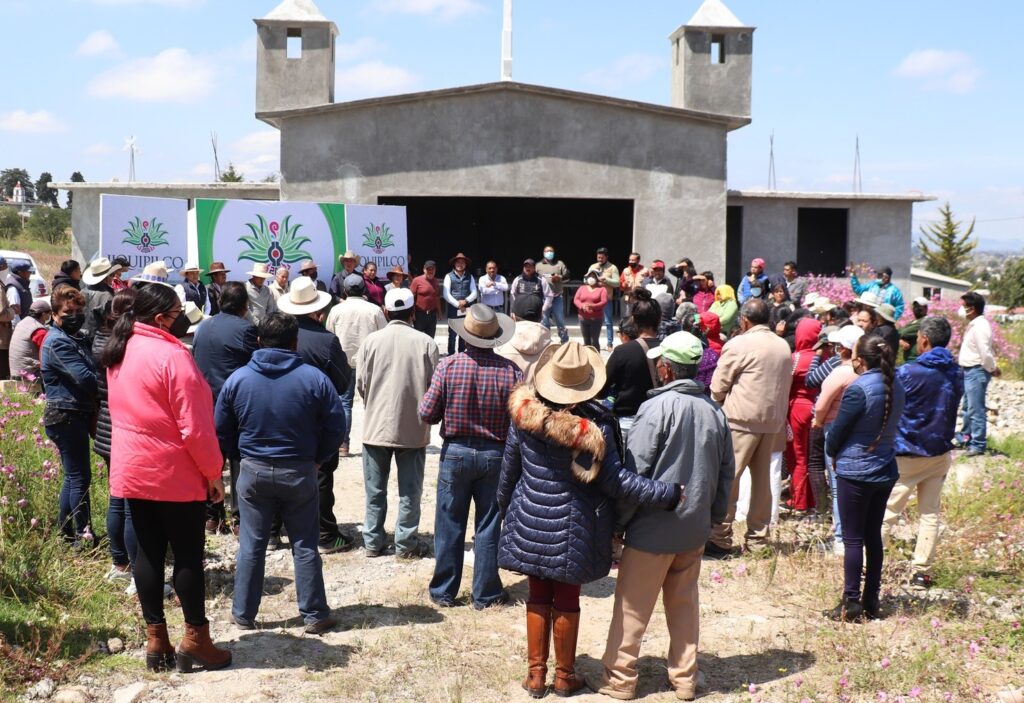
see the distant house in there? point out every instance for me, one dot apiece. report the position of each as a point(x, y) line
point(935, 285)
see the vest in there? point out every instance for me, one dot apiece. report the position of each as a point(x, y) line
point(24, 355)
point(195, 292)
point(24, 292)
point(460, 285)
point(213, 291)
point(529, 286)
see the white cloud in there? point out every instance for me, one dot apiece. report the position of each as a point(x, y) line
point(443, 9)
point(373, 78)
point(99, 149)
point(99, 43)
point(947, 71)
point(38, 122)
point(626, 71)
point(173, 75)
point(266, 141)
point(359, 49)
point(186, 4)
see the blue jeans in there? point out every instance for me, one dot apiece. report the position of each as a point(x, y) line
point(862, 505)
point(376, 469)
point(975, 424)
point(265, 488)
point(609, 321)
point(830, 468)
point(121, 531)
point(557, 311)
point(72, 439)
point(346, 404)
point(470, 468)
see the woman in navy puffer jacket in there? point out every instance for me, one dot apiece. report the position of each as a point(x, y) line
point(560, 479)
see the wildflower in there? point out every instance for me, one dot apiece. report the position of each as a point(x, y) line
point(752, 688)
point(885, 663)
point(717, 578)
point(915, 692)
point(883, 696)
point(973, 648)
point(4, 500)
point(33, 522)
point(947, 696)
point(741, 570)
point(843, 681)
point(1015, 626)
point(22, 503)
point(936, 623)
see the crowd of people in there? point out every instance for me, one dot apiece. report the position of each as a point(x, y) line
point(773, 403)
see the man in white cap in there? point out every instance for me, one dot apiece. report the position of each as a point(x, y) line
point(261, 300)
point(393, 373)
point(680, 436)
point(190, 290)
point(98, 292)
point(321, 349)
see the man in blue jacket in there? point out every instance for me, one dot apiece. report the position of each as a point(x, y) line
point(283, 418)
point(934, 383)
point(882, 287)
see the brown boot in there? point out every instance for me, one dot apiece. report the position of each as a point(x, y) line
point(196, 648)
point(566, 630)
point(159, 652)
point(538, 639)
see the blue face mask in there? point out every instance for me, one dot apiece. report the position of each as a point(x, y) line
point(549, 255)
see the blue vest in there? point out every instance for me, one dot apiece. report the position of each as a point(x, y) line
point(460, 285)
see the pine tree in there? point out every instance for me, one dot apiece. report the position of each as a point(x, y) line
point(945, 249)
point(76, 177)
point(44, 193)
point(231, 175)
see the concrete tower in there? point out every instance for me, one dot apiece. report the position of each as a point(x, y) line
point(294, 57)
point(712, 62)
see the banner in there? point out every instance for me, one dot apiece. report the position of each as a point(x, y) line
point(144, 230)
point(242, 233)
point(378, 233)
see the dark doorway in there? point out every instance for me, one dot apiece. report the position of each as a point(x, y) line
point(509, 230)
point(821, 246)
point(734, 245)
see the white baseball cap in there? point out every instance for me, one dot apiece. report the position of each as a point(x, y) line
point(847, 336)
point(398, 299)
point(922, 301)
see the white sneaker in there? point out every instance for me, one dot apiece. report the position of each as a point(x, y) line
point(839, 549)
point(116, 574)
point(131, 590)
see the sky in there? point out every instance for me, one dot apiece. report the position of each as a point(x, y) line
point(932, 89)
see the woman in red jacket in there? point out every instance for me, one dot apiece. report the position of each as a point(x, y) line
point(374, 289)
point(801, 413)
point(165, 460)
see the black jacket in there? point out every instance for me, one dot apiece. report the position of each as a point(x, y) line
point(223, 344)
point(101, 443)
point(321, 349)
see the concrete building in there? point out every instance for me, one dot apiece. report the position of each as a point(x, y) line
point(935, 285)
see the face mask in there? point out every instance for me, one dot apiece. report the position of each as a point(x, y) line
point(755, 292)
point(72, 322)
point(634, 266)
point(961, 312)
point(591, 281)
point(312, 276)
point(549, 255)
point(179, 328)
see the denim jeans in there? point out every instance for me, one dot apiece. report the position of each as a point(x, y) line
point(329, 531)
point(975, 418)
point(121, 531)
point(376, 469)
point(609, 320)
point(346, 404)
point(72, 439)
point(557, 311)
point(470, 468)
point(288, 487)
point(625, 425)
point(862, 505)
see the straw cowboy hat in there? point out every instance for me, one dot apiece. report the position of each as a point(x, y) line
point(303, 298)
point(886, 312)
point(869, 299)
point(460, 255)
point(349, 255)
point(307, 265)
point(483, 327)
point(821, 305)
point(569, 373)
point(259, 271)
point(156, 272)
point(190, 267)
point(195, 316)
point(98, 271)
point(217, 267)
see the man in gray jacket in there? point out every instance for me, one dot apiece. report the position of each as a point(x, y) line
point(679, 436)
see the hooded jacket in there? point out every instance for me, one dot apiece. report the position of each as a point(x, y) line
point(807, 332)
point(560, 478)
point(277, 407)
point(711, 326)
point(934, 385)
point(726, 307)
point(526, 345)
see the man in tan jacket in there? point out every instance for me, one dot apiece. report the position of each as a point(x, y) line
point(393, 374)
point(752, 383)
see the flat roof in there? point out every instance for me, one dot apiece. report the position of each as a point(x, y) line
point(818, 195)
point(931, 276)
point(211, 187)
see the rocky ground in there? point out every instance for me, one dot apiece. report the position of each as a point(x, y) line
point(1005, 401)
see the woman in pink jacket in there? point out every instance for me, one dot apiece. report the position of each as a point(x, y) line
point(165, 461)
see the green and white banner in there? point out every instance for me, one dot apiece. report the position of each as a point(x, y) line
point(144, 230)
point(378, 234)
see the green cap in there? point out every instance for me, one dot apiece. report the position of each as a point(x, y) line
point(680, 347)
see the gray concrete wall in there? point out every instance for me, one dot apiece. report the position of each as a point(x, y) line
point(521, 145)
point(879, 231)
point(285, 84)
point(721, 88)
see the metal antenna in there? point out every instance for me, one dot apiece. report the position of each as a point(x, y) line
point(216, 159)
point(132, 148)
point(506, 43)
point(772, 184)
point(858, 183)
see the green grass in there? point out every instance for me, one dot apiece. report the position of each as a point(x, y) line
point(48, 257)
point(1014, 333)
point(1010, 445)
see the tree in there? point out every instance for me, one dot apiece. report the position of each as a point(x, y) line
point(231, 175)
point(1008, 289)
point(945, 248)
point(11, 177)
point(76, 177)
point(10, 223)
point(272, 177)
point(44, 193)
point(49, 224)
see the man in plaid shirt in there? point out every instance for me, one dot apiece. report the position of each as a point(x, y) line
point(468, 395)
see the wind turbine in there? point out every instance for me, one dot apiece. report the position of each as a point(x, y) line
point(132, 148)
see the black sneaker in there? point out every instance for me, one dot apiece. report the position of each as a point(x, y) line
point(339, 544)
point(713, 551)
point(872, 609)
point(418, 552)
point(921, 580)
point(243, 624)
point(847, 611)
point(443, 602)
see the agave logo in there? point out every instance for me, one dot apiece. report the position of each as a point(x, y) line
point(145, 235)
point(274, 243)
point(378, 237)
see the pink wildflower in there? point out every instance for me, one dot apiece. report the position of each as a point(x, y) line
point(885, 663)
point(915, 692)
point(717, 578)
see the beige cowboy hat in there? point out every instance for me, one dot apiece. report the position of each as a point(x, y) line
point(820, 305)
point(190, 267)
point(98, 271)
point(194, 314)
point(155, 272)
point(569, 373)
point(869, 299)
point(350, 255)
point(307, 265)
point(217, 267)
point(303, 298)
point(260, 271)
point(483, 327)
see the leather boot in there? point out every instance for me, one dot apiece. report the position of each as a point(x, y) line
point(196, 648)
point(538, 639)
point(159, 652)
point(566, 628)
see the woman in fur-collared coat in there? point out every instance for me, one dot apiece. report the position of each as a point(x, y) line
point(560, 480)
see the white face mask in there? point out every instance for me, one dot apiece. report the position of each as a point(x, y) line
point(961, 312)
point(591, 281)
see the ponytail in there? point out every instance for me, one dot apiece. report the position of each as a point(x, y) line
point(147, 302)
point(875, 353)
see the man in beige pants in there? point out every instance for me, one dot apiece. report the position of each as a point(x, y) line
point(751, 382)
point(924, 439)
point(679, 436)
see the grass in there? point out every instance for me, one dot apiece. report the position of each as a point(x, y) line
point(1014, 333)
point(1010, 445)
point(48, 257)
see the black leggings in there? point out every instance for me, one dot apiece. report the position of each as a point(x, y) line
point(861, 509)
point(180, 525)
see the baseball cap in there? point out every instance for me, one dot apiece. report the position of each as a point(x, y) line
point(759, 262)
point(430, 264)
point(922, 301)
point(354, 283)
point(40, 305)
point(680, 347)
point(658, 264)
point(529, 262)
point(847, 336)
point(23, 266)
point(398, 299)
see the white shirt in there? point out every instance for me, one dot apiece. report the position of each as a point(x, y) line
point(446, 290)
point(976, 349)
point(13, 298)
point(492, 291)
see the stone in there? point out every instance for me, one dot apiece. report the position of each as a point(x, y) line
point(115, 645)
point(71, 695)
point(130, 694)
point(41, 690)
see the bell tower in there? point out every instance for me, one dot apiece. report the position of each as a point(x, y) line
point(294, 57)
point(712, 62)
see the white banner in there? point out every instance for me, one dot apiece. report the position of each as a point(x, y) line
point(144, 230)
point(378, 233)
